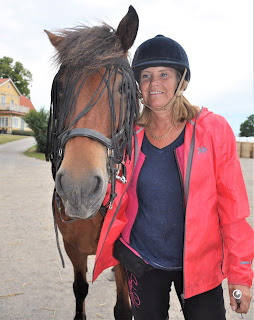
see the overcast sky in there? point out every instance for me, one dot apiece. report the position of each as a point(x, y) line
point(216, 34)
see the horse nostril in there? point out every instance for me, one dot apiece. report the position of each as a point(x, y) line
point(58, 183)
point(98, 185)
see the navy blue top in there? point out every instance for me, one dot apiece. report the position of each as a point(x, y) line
point(158, 230)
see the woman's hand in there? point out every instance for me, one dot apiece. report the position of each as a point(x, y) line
point(245, 299)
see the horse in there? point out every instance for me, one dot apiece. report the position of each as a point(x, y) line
point(92, 118)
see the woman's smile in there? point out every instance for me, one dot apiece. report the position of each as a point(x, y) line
point(155, 92)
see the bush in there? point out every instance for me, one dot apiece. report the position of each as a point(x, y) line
point(38, 122)
point(22, 133)
point(247, 127)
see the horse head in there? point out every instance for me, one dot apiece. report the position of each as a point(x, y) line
point(93, 110)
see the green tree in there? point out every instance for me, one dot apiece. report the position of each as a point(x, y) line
point(38, 122)
point(18, 74)
point(247, 127)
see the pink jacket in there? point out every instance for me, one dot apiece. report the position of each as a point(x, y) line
point(218, 239)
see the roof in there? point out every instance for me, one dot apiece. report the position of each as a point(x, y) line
point(24, 101)
point(12, 112)
point(4, 80)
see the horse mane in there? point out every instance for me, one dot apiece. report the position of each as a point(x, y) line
point(84, 49)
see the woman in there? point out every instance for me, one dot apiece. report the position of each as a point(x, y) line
point(187, 199)
point(183, 221)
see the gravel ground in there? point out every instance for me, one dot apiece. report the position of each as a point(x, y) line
point(33, 284)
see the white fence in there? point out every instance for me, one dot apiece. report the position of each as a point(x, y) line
point(13, 107)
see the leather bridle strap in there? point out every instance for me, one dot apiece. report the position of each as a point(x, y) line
point(85, 132)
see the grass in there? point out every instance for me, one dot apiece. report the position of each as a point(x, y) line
point(31, 152)
point(4, 138)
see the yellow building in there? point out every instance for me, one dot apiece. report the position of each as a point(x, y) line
point(13, 105)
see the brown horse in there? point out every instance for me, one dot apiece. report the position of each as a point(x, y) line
point(93, 112)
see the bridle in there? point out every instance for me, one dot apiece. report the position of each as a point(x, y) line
point(60, 126)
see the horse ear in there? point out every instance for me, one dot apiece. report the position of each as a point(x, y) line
point(128, 28)
point(54, 39)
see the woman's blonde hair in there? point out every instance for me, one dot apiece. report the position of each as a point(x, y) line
point(182, 109)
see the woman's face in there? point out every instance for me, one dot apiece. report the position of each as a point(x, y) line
point(158, 85)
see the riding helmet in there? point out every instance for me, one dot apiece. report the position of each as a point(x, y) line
point(160, 51)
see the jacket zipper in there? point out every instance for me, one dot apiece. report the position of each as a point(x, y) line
point(222, 241)
point(184, 214)
point(222, 261)
point(181, 182)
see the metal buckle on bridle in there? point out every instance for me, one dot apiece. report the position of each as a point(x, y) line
point(110, 152)
point(120, 167)
point(122, 178)
point(111, 204)
point(114, 170)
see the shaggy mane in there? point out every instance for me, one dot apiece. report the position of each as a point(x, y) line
point(84, 49)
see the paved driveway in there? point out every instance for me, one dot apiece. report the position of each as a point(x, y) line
point(33, 284)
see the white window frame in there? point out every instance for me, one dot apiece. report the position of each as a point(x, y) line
point(15, 122)
point(3, 99)
point(4, 122)
point(23, 125)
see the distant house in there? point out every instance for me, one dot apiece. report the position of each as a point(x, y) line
point(13, 105)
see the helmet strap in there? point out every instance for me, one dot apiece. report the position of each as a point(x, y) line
point(178, 93)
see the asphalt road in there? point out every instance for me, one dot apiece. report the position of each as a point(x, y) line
point(33, 284)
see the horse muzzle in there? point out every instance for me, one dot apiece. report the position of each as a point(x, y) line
point(82, 197)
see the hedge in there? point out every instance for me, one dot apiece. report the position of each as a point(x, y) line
point(22, 133)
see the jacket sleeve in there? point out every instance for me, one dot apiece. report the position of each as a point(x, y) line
point(233, 209)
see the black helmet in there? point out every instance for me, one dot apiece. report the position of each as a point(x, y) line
point(160, 51)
